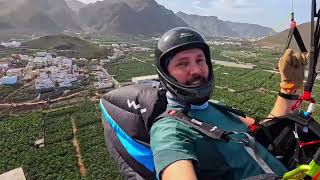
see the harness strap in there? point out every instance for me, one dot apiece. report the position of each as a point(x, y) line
point(295, 32)
point(279, 139)
point(207, 129)
point(255, 155)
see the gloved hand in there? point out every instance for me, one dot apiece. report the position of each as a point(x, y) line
point(291, 67)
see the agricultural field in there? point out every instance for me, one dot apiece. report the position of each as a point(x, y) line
point(6, 90)
point(252, 91)
point(58, 158)
point(262, 58)
point(135, 64)
point(21, 94)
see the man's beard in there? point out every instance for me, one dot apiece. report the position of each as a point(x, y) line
point(197, 81)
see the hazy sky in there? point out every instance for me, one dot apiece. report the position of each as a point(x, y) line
point(270, 13)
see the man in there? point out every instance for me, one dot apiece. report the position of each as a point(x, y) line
point(181, 152)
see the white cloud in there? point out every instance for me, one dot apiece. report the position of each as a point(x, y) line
point(88, 1)
point(235, 4)
point(197, 5)
point(196, 2)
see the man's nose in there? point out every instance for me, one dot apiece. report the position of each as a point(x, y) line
point(195, 69)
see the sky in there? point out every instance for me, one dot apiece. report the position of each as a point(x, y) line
point(269, 13)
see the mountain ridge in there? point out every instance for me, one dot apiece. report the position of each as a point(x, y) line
point(213, 26)
point(129, 18)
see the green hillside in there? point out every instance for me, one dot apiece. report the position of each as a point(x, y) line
point(67, 46)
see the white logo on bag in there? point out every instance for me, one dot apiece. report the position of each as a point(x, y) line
point(213, 128)
point(196, 122)
point(182, 35)
point(135, 106)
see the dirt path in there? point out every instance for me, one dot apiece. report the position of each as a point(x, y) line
point(82, 168)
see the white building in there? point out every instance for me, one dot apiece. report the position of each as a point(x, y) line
point(58, 76)
point(39, 62)
point(103, 85)
point(83, 59)
point(74, 67)
point(104, 61)
point(44, 84)
point(4, 67)
point(43, 75)
point(71, 77)
point(13, 44)
point(141, 49)
point(30, 75)
point(145, 79)
point(65, 83)
point(15, 72)
point(8, 80)
point(115, 45)
point(65, 63)
point(8, 61)
point(49, 60)
point(55, 61)
point(24, 57)
point(42, 54)
point(52, 69)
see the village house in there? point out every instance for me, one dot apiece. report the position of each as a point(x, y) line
point(65, 64)
point(3, 67)
point(42, 54)
point(65, 83)
point(103, 85)
point(13, 44)
point(39, 62)
point(30, 75)
point(8, 80)
point(145, 79)
point(15, 72)
point(44, 84)
point(8, 61)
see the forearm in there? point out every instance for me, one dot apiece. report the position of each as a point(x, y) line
point(179, 170)
point(282, 106)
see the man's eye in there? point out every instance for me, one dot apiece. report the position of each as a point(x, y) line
point(182, 64)
point(201, 60)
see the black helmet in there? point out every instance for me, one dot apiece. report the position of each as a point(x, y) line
point(172, 42)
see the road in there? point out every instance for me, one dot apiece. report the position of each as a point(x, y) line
point(233, 64)
point(116, 83)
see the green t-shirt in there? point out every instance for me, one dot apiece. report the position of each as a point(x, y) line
point(172, 140)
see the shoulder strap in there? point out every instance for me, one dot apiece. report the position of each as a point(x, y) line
point(207, 129)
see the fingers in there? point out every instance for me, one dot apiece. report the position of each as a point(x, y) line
point(305, 58)
point(301, 59)
point(295, 59)
point(287, 57)
point(288, 52)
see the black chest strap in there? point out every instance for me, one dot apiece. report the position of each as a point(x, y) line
point(207, 129)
